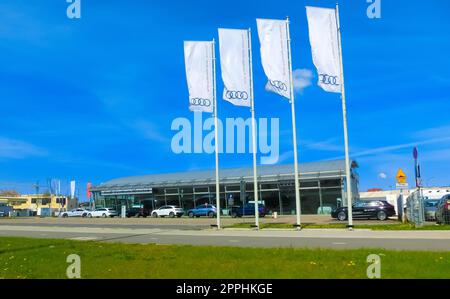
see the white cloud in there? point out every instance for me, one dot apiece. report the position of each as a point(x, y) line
point(302, 79)
point(148, 130)
point(392, 148)
point(329, 145)
point(382, 175)
point(16, 149)
point(278, 159)
point(433, 133)
point(439, 155)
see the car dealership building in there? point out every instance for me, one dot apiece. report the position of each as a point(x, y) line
point(322, 188)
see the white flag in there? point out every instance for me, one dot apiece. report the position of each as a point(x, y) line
point(323, 36)
point(235, 62)
point(275, 55)
point(199, 72)
point(72, 189)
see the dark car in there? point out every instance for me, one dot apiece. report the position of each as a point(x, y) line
point(443, 210)
point(248, 210)
point(203, 210)
point(376, 209)
point(5, 211)
point(138, 212)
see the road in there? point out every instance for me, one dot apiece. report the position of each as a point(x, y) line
point(312, 238)
point(167, 223)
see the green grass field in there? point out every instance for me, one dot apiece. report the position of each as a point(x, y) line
point(397, 226)
point(41, 258)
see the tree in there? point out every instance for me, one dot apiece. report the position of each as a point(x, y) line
point(9, 193)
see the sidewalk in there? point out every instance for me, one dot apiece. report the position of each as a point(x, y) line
point(268, 233)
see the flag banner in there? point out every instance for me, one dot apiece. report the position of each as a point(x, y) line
point(323, 36)
point(55, 187)
point(199, 72)
point(275, 55)
point(235, 63)
point(72, 189)
point(89, 190)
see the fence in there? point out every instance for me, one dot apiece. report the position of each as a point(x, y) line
point(415, 208)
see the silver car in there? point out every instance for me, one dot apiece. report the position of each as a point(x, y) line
point(73, 213)
point(430, 206)
point(103, 212)
point(168, 211)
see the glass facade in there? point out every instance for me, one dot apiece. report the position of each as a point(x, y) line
point(319, 196)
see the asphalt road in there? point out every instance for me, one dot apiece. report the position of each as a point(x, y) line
point(166, 223)
point(334, 239)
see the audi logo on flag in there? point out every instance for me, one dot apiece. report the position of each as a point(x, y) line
point(200, 102)
point(237, 95)
point(278, 85)
point(329, 80)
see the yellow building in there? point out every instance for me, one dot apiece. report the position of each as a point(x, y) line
point(38, 204)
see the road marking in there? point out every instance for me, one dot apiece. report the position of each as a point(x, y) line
point(234, 241)
point(337, 243)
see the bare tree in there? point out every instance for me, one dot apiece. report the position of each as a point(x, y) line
point(9, 193)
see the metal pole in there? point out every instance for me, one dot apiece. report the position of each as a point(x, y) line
point(252, 109)
point(344, 115)
point(320, 197)
point(216, 132)
point(294, 130)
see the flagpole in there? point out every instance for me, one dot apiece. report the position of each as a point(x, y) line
point(344, 116)
point(216, 132)
point(294, 131)
point(252, 109)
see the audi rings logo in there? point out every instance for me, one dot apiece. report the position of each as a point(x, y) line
point(200, 102)
point(237, 95)
point(278, 85)
point(329, 80)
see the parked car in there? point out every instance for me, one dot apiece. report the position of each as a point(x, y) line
point(168, 211)
point(103, 212)
point(375, 209)
point(138, 212)
point(326, 209)
point(86, 212)
point(430, 206)
point(248, 210)
point(443, 210)
point(5, 211)
point(73, 213)
point(203, 210)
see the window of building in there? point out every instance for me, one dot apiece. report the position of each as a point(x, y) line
point(309, 184)
point(61, 201)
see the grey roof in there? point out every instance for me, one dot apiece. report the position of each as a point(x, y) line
point(307, 170)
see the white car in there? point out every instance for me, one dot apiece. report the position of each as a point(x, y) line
point(103, 212)
point(73, 213)
point(168, 211)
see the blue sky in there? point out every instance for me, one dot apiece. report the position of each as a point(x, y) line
point(93, 99)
